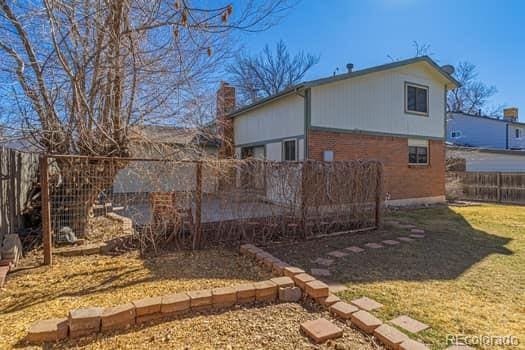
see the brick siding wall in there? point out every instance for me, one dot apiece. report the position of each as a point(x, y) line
point(401, 180)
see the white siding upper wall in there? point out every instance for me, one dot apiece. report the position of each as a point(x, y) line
point(376, 103)
point(280, 119)
point(273, 151)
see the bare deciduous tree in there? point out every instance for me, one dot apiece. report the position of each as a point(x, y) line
point(270, 72)
point(88, 71)
point(473, 95)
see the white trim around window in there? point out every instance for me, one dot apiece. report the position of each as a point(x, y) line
point(418, 152)
point(415, 106)
point(284, 153)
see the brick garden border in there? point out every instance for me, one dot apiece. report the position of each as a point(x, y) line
point(290, 285)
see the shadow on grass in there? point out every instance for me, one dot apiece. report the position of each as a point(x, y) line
point(99, 274)
point(450, 247)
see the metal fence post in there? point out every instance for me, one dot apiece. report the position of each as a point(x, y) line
point(46, 212)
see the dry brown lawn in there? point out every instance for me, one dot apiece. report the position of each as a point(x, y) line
point(35, 293)
point(466, 277)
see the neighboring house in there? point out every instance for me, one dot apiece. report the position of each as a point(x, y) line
point(165, 142)
point(486, 132)
point(492, 160)
point(394, 113)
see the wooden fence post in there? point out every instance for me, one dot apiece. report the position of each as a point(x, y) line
point(198, 206)
point(304, 170)
point(46, 212)
point(499, 187)
point(379, 193)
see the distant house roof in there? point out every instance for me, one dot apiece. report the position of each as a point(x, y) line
point(486, 117)
point(173, 135)
point(293, 89)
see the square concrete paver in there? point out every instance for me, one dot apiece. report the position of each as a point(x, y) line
point(405, 239)
point(374, 245)
point(366, 304)
point(302, 279)
point(390, 336)
point(323, 261)
point(409, 324)
point(417, 230)
point(343, 310)
point(321, 330)
point(410, 344)
point(291, 271)
point(337, 254)
point(320, 272)
point(354, 249)
point(390, 242)
point(365, 321)
point(317, 289)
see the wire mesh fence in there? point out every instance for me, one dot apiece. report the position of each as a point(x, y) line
point(194, 204)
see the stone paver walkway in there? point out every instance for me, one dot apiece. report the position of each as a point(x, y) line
point(323, 261)
point(354, 249)
point(390, 242)
point(321, 330)
point(366, 303)
point(409, 324)
point(337, 254)
point(374, 245)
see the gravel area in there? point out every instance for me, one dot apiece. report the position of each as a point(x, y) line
point(274, 326)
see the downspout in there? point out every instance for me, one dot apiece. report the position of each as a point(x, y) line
point(306, 117)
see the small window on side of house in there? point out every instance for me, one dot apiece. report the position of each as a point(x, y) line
point(290, 150)
point(417, 152)
point(416, 99)
point(519, 133)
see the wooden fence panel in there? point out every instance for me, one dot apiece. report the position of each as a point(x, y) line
point(18, 171)
point(487, 186)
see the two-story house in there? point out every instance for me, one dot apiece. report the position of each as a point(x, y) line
point(394, 113)
point(486, 132)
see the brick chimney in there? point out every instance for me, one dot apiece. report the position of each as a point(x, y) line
point(225, 105)
point(510, 114)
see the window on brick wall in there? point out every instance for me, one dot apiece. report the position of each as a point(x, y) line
point(416, 99)
point(418, 152)
point(290, 150)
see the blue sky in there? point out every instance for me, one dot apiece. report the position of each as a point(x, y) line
point(489, 34)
